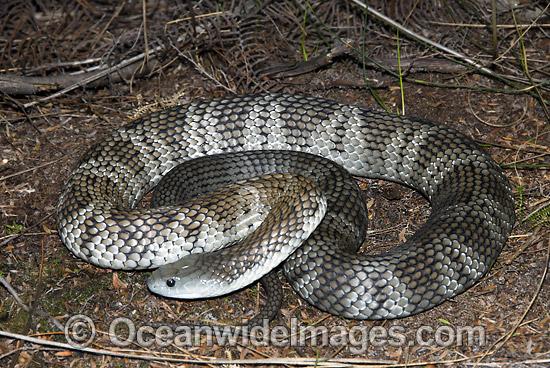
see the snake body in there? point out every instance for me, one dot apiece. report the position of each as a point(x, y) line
point(213, 177)
point(472, 205)
point(343, 219)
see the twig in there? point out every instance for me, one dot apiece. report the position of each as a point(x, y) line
point(494, 28)
point(93, 77)
point(11, 238)
point(65, 346)
point(421, 38)
point(146, 43)
point(132, 355)
point(27, 309)
point(13, 293)
point(292, 69)
point(14, 351)
point(514, 122)
point(201, 69)
point(60, 64)
point(526, 67)
point(504, 339)
point(335, 363)
point(504, 26)
point(31, 169)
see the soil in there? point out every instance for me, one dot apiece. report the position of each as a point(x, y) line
point(42, 139)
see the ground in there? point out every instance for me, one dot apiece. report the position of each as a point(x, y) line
point(314, 49)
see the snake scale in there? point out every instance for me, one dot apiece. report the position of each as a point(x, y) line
point(343, 223)
point(472, 204)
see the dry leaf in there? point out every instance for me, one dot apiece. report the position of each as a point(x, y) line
point(117, 284)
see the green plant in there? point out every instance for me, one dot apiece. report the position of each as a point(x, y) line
point(15, 228)
point(520, 203)
point(540, 216)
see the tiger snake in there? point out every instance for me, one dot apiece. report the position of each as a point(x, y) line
point(472, 208)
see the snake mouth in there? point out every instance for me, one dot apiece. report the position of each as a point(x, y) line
point(189, 290)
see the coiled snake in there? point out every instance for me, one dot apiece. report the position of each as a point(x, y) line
point(472, 205)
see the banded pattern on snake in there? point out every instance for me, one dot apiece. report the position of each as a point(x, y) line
point(472, 205)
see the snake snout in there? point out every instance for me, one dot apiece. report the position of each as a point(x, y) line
point(160, 286)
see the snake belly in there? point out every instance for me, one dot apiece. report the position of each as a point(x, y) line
point(472, 204)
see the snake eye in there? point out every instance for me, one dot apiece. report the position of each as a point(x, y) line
point(171, 282)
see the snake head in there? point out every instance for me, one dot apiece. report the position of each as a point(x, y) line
point(185, 279)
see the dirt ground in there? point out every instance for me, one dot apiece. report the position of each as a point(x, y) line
point(55, 105)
